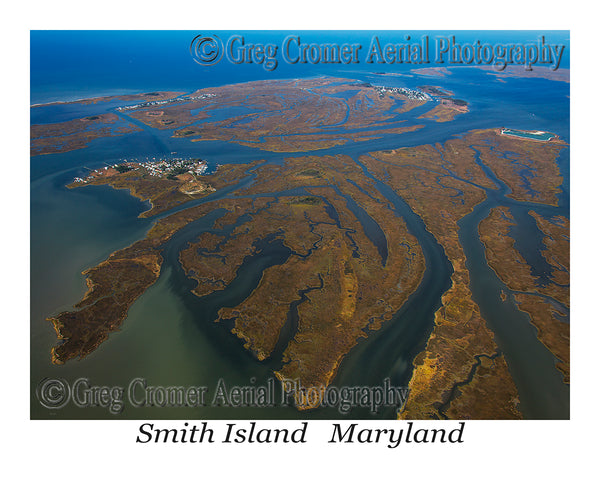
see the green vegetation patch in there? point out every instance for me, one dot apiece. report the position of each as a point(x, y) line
point(311, 172)
point(123, 168)
point(306, 201)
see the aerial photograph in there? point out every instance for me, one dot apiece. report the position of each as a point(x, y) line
point(306, 225)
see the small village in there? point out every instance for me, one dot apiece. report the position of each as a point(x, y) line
point(161, 167)
point(156, 103)
point(407, 92)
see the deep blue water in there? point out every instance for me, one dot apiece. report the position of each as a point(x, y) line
point(68, 65)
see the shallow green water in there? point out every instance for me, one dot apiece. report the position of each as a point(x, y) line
point(543, 136)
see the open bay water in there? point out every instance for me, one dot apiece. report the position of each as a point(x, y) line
point(71, 65)
point(169, 338)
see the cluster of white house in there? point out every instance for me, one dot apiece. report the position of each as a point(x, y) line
point(161, 168)
point(156, 168)
point(407, 92)
point(155, 103)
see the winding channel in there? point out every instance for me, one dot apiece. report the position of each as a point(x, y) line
point(389, 351)
point(542, 393)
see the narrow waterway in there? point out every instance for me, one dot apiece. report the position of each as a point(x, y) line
point(541, 390)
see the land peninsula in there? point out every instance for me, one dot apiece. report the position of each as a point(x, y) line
point(276, 116)
point(339, 281)
point(462, 373)
point(79, 132)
